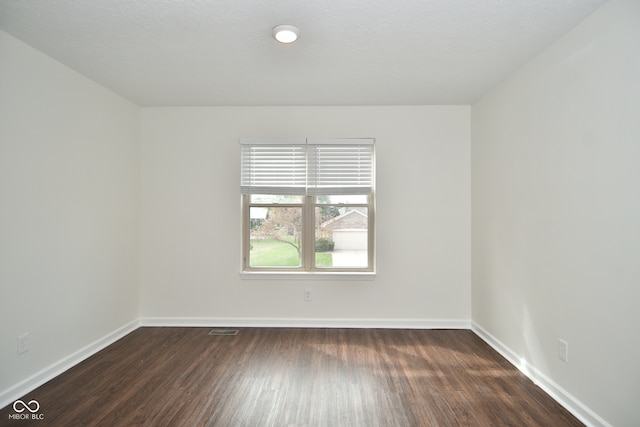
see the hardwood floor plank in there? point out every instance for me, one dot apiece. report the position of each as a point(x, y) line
point(294, 377)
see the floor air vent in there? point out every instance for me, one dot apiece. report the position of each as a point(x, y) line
point(229, 332)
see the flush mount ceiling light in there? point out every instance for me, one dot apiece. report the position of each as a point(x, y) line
point(285, 33)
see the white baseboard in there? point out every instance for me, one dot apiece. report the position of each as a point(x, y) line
point(560, 395)
point(15, 392)
point(260, 322)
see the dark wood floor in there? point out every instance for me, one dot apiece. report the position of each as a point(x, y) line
point(294, 377)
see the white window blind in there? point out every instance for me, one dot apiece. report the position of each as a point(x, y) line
point(273, 166)
point(307, 167)
point(339, 166)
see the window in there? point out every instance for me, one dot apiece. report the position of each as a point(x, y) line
point(307, 205)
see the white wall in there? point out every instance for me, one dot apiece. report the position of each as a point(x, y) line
point(556, 212)
point(190, 216)
point(68, 211)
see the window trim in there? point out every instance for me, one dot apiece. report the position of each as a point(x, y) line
point(307, 269)
point(311, 275)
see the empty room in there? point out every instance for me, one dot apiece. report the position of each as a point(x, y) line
point(327, 213)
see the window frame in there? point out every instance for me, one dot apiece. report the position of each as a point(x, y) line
point(247, 204)
point(310, 202)
point(308, 254)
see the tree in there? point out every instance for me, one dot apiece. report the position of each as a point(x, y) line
point(284, 225)
point(324, 213)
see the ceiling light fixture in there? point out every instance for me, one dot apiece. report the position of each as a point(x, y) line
point(285, 33)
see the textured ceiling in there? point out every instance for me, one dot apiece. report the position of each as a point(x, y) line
point(350, 52)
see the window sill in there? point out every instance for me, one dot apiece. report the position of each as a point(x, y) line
point(297, 275)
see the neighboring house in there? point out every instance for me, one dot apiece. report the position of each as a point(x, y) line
point(348, 230)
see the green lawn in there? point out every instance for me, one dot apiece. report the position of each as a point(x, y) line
point(273, 253)
point(324, 259)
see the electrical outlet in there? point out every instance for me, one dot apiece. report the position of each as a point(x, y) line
point(307, 294)
point(563, 350)
point(23, 343)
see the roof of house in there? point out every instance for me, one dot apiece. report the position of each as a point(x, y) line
point(343, 217)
